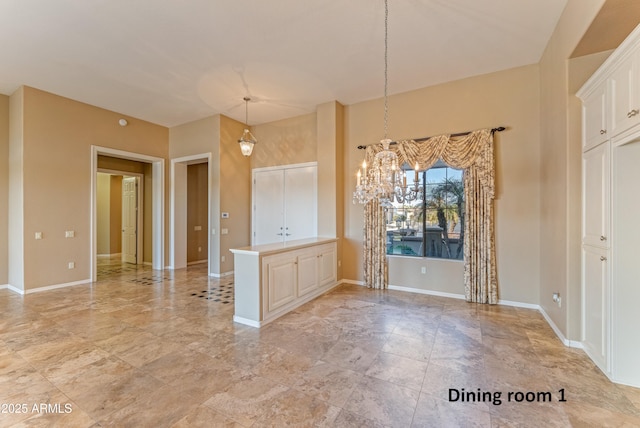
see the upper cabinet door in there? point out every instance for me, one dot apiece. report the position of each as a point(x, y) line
point(268, 208)
point(595, 118)
point(625, 102)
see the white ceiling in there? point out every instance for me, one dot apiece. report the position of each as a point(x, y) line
point(171, 62)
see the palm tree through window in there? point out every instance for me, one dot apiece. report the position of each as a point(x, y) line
point(433, 225)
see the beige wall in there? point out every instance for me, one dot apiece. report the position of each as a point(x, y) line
point(235, 192)
point(560, 171)
point(4, 189)
point(285, 142)
point(509, 98)
point(230, 181)
point(58, 134)
point(197, 212)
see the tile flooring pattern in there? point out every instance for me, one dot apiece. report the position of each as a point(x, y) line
point(121, 353)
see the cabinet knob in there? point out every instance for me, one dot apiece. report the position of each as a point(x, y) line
point(603, 238)
point(633, 112)
point(603, 258)
point(603, 131)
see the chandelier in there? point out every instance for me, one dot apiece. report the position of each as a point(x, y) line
point(384, 180)
point(247, 141)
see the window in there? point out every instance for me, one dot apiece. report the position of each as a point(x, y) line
point(429, 222)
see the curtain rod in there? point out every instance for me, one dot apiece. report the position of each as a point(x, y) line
point(459, 134)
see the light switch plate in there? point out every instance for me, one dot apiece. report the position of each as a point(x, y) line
point(224, 231)
point(225, 215)
point(38, 235)
point(69, 234)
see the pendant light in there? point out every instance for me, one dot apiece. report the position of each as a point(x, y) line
point(378, 181)
point(247, 141)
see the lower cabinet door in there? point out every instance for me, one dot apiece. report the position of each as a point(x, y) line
point(596, 337)
point(307, 272)
point(282, 278)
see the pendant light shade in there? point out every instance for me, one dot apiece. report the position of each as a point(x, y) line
point(247, 141)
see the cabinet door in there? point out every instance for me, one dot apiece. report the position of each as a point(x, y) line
point(328, 268)
point(596, 196)
point(268, 207)
point(596, 295)
point(625, 108)
point(594, 118)
point(307, 271)
point(281, 280)
point(301, 203)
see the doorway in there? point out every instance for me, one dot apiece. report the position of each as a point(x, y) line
point(190, 210)
point(156, 206)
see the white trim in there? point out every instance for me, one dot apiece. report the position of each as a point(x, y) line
point(147, 263)
point(250, 323)
point(428, 292)
point(3, 286)
point(48, 287)
point(221, 275)
point(197, 262)
point(554, 327)
point(519, 304)
point(289, 166)
point(104, 256)
point(352, 281)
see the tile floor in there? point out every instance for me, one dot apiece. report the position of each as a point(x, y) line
point(141, 348)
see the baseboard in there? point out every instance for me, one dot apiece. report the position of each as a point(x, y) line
point(246, 321)
point(108, 255)
point(428, 292)
point(554, 327)
point(519, 304)
point(2, 287)
point(351, 281)
point(48, 287)
point(147, 263)
point(197, 262)
point(221, 275)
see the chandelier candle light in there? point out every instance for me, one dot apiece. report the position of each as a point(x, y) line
point(382, 180)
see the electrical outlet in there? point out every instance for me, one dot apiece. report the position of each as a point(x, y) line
point(222, 259)
point(197, 228)
point(38, 235)
point(69, 234)
point(339, 263)
point(199, 249)
point(423, 270)
point(556, 298)
point(224, 231)
point(72, 265)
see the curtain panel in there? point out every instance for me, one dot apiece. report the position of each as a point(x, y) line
point(473, 154)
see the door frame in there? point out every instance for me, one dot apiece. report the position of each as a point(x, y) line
point(157, 190)
point(140, 214)
point(178, 207)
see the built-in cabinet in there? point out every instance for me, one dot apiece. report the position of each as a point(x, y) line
point(284, 203)
point(610, 213)
point(273, 279)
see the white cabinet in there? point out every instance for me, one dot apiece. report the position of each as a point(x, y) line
point(296, 274)
point(595, 124)
point(596, 304)
point(281, 280)
point(625, 97)
point(611, 203)
point(273, 279)
point(596, 196)
point(284, 203)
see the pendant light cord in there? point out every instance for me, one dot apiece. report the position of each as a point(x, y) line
point(386, 60)
point(246, 110)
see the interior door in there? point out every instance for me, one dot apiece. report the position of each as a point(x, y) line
point(268, 208)
point(130, 220)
